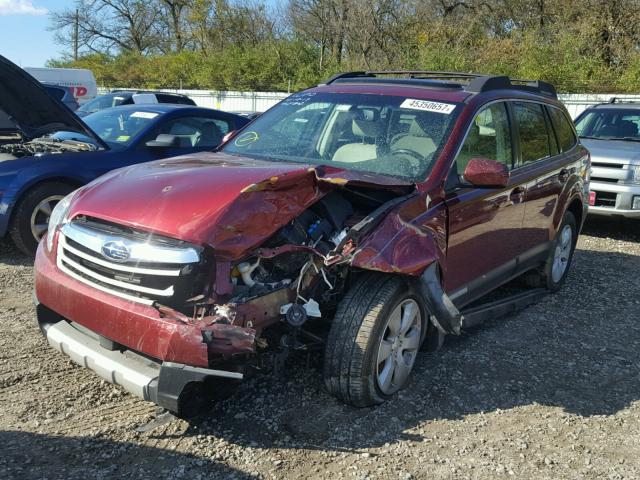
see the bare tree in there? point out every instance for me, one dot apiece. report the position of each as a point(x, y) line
point(109, 25)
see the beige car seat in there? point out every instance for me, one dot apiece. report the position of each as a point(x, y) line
point(416, 140)
point(368, 130)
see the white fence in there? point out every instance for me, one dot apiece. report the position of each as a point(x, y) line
point(261, 101)
point(577, 103)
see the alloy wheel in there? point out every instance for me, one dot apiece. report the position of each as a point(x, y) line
point(399, 346)
point(562, 254)
point(41, 214)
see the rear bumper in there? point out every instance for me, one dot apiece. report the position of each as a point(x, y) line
point(161, 383)
point(620, 199)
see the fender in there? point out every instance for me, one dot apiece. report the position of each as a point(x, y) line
point(36, 171)
point(574, 189)
point(414, 247)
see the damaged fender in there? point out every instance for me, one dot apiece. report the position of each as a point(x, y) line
point(444, 315)
point(415, 246)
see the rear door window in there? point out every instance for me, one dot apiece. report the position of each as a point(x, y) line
point(489, 137)
point(563, 128)
point(535, 139)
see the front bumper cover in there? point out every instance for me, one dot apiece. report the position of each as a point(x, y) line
point(624, 199)
point(161, 383)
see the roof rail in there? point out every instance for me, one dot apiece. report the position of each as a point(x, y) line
point(474, 82)
point(623, 100)
point(340, 76)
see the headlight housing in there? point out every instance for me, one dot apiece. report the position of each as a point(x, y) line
point(58, 217)
point(636, 173)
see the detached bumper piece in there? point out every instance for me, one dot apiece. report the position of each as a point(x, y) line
point(161, 383)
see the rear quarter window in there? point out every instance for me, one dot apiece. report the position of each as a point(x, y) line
point(563, 128)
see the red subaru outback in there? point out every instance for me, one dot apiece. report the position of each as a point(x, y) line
point(362, 216)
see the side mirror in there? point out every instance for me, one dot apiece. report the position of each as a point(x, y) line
point(482, 172)
point(164, 141)
point(228, 136)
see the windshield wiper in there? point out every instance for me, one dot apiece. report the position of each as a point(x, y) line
point(621, 139)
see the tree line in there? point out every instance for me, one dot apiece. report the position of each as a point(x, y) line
point(586, 46)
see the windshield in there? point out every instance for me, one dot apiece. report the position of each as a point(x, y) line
point(102, 102)
point(389, 135)
point(118, 127)
point(610, 124)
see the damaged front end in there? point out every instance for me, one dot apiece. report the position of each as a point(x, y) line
point(253, 279)
point(265, 298)
point(299, 273)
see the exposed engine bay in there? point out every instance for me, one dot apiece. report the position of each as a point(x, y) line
point(297, 275)
point(42, 146)
point(321, 228)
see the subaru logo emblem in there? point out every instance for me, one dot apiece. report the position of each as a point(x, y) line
point(116, 251)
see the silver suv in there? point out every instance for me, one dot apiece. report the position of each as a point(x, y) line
point(611, 132)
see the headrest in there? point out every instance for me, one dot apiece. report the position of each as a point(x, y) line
point(628, 128)
point(416, 130)
point(366, 123)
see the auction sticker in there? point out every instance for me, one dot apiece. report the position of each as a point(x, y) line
point(428, 106)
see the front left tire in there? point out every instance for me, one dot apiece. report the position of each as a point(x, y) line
point(31, 215)
point(374, 340)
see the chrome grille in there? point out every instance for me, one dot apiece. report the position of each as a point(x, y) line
point(612, 172)
point(152, 271)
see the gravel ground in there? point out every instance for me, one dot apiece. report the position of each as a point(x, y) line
point(551, 392)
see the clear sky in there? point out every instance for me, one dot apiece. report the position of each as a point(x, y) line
point(24, 38)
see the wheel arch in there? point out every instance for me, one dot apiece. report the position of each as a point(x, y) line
point(577, 209)
point(26, 188)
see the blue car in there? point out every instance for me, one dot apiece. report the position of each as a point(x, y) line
point(46, 151)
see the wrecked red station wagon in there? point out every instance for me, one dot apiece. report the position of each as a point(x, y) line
point(363, 216)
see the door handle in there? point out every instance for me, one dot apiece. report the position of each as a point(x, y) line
point(517, 195)
point(563, 175)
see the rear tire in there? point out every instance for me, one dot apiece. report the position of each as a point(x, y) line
point(374, 340)
point(553, 273)
point(31, 215)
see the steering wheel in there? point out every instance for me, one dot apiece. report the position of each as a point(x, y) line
point(410, 153)
point(411, 160)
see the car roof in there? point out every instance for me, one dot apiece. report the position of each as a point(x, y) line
point(163, 108)
point(135, 92)
point(617, 106)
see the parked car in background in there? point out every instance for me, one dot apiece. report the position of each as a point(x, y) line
point(46, 151)
point(611, 132)
point(126, 97)
point(361, 216)
point(63, 94)
point(81, 82)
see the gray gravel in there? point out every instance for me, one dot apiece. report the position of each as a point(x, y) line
point(552, 392)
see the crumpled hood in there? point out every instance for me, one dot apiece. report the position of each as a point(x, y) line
point(28, 107)
point(614, 150)
point(227, 202)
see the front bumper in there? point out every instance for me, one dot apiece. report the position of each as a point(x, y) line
point(138, 327)
point(126, 343)
point(161, 383)
point(619, 199)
